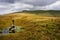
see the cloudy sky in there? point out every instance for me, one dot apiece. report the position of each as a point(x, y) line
point(8, 6)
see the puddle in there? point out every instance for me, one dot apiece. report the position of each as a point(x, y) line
point(6, 30)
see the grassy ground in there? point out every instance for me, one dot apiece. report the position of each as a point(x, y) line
point(35, 26)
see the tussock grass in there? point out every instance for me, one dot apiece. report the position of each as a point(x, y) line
point(35, 27)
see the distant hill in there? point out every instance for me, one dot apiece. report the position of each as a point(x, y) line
point(45, 12)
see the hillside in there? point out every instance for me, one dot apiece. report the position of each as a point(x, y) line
point(36, 25)
point(55, 13)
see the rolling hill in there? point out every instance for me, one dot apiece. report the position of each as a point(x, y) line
point(37, 25)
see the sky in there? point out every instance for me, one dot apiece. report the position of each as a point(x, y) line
point(9, 6)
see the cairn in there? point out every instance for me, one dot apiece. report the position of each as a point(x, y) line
point(12, 28)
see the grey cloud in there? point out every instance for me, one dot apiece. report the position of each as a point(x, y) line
point(7, 1)
point(54, 6)
point(38, 2)
point(18, 5)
